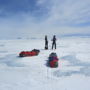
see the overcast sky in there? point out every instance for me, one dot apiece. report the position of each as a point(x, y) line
point(40, 17)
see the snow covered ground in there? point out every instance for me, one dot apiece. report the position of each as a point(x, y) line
point(32, 73)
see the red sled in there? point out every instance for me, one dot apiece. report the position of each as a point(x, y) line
point(34, 52)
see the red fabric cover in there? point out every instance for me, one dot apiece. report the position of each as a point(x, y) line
point(52, 63)
point(27, 53)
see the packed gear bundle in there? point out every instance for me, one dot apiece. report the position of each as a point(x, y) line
point(34, 52)
point(53, 60)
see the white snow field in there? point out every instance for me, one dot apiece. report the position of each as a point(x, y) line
point(32, 73)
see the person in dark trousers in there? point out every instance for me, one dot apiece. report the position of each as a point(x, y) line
point(46, 42)
point(54, 42)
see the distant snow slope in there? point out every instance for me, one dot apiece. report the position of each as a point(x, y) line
point(32, 73)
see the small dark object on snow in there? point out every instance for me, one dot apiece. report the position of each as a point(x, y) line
point(46, 48)
point(53, 60)
point(34, 52)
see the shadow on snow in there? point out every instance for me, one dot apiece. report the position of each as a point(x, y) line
point(84, 70)
point(11, 61)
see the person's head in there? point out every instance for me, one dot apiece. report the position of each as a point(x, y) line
point(45, 36)
point(54, 36)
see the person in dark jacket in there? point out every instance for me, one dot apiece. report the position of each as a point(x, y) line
point(46, 42)
point(54, 42)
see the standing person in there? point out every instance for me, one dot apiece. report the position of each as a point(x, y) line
point(46, 42)
point(54, 42)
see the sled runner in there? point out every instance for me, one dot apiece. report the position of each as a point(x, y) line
point(53, 60)
point(34, 52)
